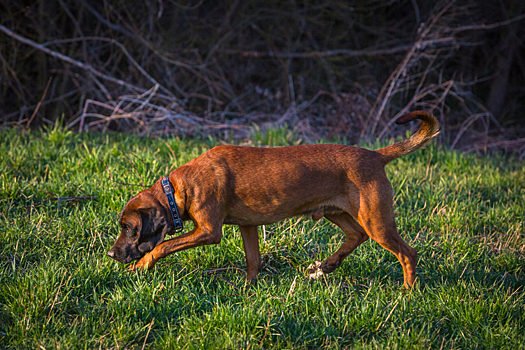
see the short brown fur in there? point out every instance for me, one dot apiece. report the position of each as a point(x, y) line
point(249, 187)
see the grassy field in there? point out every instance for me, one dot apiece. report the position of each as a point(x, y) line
point(58, 288)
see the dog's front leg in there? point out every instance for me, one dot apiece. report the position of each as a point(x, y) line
point(199, 236)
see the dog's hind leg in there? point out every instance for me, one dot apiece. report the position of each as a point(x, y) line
point(376, 216)
point(355, 235)
point(250, 239)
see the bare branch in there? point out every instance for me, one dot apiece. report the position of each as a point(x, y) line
point(69, 60)
point(341, 52)
point(486, 26)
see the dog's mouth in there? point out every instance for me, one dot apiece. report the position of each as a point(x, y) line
point(125, 259)
point(131, 253)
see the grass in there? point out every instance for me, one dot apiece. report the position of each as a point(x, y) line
point(58, 288)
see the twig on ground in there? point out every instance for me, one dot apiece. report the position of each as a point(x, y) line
point(39, 103)
point(189, 273)
point(267, 328)
point(227, 269)
point(465, 126)
point(133, 165)
point(44, 103)
point(224, 279)
point(128, 184)
point(503, 143)
point(147, 334)
point(66, 199)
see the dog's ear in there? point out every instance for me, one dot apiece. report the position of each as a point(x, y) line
point(154, 228)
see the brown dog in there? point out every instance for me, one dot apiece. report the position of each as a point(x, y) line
point(249, 186)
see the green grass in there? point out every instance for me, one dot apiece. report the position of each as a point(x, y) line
point(58, 288)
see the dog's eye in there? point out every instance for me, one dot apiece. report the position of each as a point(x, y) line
point(126, 229)
point(130, 232)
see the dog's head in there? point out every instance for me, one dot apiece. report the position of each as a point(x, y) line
point(144, 224)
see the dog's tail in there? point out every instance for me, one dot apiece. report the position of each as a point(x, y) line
point(429, 128)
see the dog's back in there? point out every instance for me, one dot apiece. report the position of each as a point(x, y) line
point(266, 185)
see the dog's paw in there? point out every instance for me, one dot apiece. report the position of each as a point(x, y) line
point(132, 267)
point(314, 270)
point(146, 263)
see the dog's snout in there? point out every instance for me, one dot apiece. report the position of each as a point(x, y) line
point(111, 253)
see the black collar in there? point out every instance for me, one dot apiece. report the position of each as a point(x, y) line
point(168, 190)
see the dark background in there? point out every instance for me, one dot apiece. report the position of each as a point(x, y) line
point(327, 68)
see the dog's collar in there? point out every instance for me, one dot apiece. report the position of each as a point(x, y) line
point(168, 191)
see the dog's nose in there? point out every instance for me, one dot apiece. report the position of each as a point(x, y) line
point(111, 253)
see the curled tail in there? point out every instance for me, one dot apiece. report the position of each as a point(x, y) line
point(429, 128)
